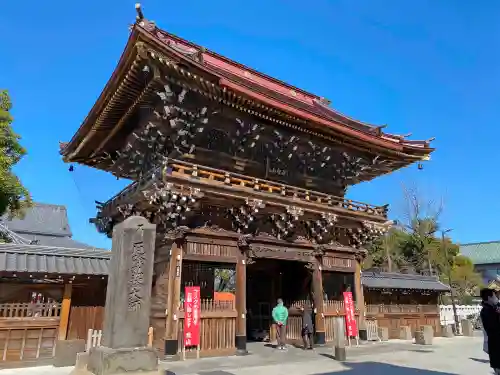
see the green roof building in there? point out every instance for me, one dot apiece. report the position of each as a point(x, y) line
point(486, 258)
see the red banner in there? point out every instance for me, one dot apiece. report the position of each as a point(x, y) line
point(350, 318)
point(192, 315)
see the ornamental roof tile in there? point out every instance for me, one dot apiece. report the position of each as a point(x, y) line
point(482, 252)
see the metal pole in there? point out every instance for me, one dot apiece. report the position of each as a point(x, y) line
point(452, 292)
point(387, 253)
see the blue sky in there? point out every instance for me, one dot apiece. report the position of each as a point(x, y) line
point(427, 67)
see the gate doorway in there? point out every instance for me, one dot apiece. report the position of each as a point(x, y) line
point(268, 280)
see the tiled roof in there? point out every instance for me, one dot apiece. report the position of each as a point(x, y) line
point(392, 280)
point(46, 225)
point(48, 219)
point(482, 252)
point(55, 241)
point(53, 260)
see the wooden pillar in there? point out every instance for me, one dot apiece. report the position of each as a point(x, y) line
point(360, 299)
point(319, 305)
point(174, 291)
point(241, 293)
point(65, 310)
point(159, 305)
point(241, 304)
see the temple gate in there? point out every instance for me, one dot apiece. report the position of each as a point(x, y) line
point(245, 178)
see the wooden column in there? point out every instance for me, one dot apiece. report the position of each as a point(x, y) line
point(317, 287)
point(360, 299)
point(241, 304)
point(159, 305)
point(65, 310)
point(241, 294)
point(174, 291)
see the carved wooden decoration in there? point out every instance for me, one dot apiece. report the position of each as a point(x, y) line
point(285, 224)
point(181, 122)
point(243, 218)
point(103, 224)
point(171, 207)
point(246, 137)
point(322, 229)
point(366, 234)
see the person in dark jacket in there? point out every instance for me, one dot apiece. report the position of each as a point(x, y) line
point(490, 317)
point(307, 326)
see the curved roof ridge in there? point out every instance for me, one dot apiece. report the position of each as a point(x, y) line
point(210, 59)
point(53, 250)
point(480, 243)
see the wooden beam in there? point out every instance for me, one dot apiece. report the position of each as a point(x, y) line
point(360, 298)
point(174, 297)
point(318, 292)
point(65, 310)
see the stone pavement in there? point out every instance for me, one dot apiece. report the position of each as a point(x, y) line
point(460, 356)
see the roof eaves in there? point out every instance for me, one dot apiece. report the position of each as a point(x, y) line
point(153, 30)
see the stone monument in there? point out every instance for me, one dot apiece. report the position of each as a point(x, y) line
point(405, 333)
point(128, 301)
point(424, 335)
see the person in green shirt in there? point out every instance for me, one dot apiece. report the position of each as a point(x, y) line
point(280, 317)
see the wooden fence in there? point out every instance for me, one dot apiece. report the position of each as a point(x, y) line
point(393, 317)
point(30, 310)
point(83, 318)
point(217, 329)
point(28, 332)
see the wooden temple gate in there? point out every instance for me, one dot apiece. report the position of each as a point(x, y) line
point(237, 169)
point(197, 256)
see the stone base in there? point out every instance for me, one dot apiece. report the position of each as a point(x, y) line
point(241, 345)
point(66, 351)
point(383, 333)
point(447, 330)
point(424, 336)
point(405, 333)
point(340, 354)
point(107, 361)
point(82, 359)
point(467, 328)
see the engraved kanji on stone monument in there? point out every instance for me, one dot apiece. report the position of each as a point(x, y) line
point(128, 298)
point(136, 281)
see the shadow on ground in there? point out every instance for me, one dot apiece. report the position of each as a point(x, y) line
point(376, 368)
point(372, 368)
point(480, 360)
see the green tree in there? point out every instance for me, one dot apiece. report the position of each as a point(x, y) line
point(14, 197)
point(386, 252)
point(421, 222)
point(225, 280)
point(462, 277)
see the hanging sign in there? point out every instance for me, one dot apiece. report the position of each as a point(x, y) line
point(192, 316)
point(350, 318)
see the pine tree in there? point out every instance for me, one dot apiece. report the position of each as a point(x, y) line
point(14, 197)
